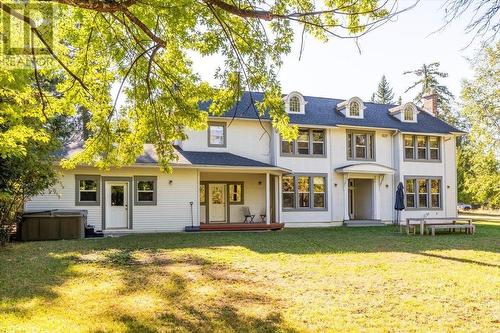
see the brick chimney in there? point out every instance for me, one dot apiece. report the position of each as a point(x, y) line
point(431, 102)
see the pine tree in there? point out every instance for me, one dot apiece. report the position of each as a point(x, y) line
point(384, 94)
point(400, 100)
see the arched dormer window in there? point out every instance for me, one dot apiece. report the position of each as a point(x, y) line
point(352, 108)
point(295, 103)
point(409, 113)
point(405, 113)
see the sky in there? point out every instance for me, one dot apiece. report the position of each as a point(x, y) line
point(337, 69)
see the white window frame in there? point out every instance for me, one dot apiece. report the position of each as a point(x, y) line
point(302, 102)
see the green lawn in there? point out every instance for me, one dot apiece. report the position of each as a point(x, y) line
point(295, 280)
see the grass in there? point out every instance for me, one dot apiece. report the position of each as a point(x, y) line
point(295, 280)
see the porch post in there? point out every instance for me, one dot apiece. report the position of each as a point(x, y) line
point(346, 197)
point(376, 198)
point(268, 198)
point(278, 200)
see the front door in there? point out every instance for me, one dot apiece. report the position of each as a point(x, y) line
point(117, 205)
point(217, 202)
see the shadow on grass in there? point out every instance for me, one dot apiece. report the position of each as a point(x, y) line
point(33, 270)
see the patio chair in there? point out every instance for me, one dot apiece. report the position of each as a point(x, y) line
point(248, 216)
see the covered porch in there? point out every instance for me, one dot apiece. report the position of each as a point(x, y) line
point(362, 192)
point(239, 199)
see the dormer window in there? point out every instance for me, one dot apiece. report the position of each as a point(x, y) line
point(295, 103)
point(408, 113)
point(352, 108)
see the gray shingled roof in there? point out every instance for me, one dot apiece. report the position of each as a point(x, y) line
point(323, 111)
point(185, 158)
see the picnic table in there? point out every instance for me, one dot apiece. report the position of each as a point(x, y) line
point(438, 223)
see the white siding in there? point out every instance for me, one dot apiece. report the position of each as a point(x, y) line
point(172, 212)
point(254, 195)
point(244, 137)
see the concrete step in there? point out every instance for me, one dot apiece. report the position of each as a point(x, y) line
point(364, 223)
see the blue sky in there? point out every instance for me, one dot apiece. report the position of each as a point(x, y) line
point(337, 69)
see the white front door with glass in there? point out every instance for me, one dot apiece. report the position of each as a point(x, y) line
point(117, 205)
point(217, 202)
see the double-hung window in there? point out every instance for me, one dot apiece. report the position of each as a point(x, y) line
point(360, 145)
point(422, 147)
point(304, 192)
point(423, 192)
point(217, 134)
point(310, 142)
point(145, 190)
point(87, 190)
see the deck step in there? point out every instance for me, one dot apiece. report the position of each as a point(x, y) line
point(364, 223)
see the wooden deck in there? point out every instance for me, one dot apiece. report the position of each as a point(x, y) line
point(240, 226)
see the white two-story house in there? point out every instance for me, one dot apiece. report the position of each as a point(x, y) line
point(344, 166)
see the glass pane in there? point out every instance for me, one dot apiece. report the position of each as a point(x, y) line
point(288, 184)
point(318, 148)
point(288, 200)
point(422, 200)
point(421, 141)
point(408, 141)
point(434, 154)
point(421, 153)
point(216, 134)
point(435, 201)
point(303, 200)
point(202, 193)
point(410, 200)
point(303, 148)
point(360, 139)
point(434, 142)
point(319, 136)
point(435, 185)
point(349, 145)
point(360, 152)
point(145, 196)
point(145, 185)
point(319, 200)
point(409, 153)
point(88, 196)
point(117, 195)
point(303, 135)
point(88, 185)
point(303, 184)
point(354, 109)
point(287, 147)
point(217, 195)
point(319, 184)
point(410, 186)
point(235, 193)
point(422, 186)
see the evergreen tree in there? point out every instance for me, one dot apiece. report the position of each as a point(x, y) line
point(384, 94)
point(428, 77)
point(400, 100)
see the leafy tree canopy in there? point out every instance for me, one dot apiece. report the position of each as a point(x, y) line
point(479, 153)
point(145, 48)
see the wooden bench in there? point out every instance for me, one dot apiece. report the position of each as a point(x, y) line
point(469, 228)
point(425, 223)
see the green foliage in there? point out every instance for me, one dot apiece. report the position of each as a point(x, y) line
point(479, 153)
point(146, 48)
point(384, 94)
